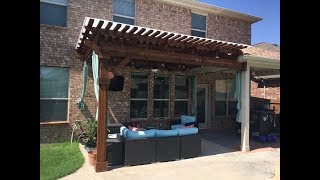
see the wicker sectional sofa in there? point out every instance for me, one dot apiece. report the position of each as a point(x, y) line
point(149, 146)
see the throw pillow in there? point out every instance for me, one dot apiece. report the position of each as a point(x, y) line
point(190, 126)
point(187, 119)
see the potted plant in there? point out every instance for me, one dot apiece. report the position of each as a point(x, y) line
point(90, 139)
point(91, 133)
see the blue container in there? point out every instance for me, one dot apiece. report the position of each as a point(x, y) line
point(271, 138)
point(261, 139)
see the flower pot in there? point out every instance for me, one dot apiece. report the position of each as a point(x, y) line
point(92, 157)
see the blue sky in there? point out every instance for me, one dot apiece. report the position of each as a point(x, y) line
point(266, 30)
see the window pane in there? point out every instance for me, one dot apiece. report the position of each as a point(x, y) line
point(180, 108)
point(160, 108)
point(231, 87)
point(161, 87)
point(138, 109)
point(53, 14)
point(139, 86)
point(123, 20)
point(198, 33)
point(221, 108)
point(232, 108)
point(124, 7)
point(54, 82)
point(198, 22)
point(181, 87)
point(53, 110)
point(221, 90)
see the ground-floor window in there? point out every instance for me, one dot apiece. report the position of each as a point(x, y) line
point(181, 96)
point(139, 96)
point(226, 99)
point(161, 96)
point(54, 85)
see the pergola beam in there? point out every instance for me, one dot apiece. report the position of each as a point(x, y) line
point(164, 56)
point(121, 64)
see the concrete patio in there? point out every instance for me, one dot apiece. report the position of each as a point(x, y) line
point(216, 162)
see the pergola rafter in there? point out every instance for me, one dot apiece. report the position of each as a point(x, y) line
point(144, 45)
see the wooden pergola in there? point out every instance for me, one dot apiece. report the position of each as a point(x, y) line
point(146, 47)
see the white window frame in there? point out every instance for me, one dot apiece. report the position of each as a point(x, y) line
point(195, 29)
point(59, 99)
point(60, 4)
point(227, 99)
point(129, 17)
point(53, 2)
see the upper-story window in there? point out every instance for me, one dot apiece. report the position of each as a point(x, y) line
point(53, 12)
point(198, 25)
point(124, 11)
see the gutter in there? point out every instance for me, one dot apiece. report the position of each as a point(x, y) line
point(260, 62)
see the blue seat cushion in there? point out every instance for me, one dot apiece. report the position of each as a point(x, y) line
point(176, 126)
point(123, 131)
point(166, 133)
point(140, 134)
point(187, 119)
point(187, 131)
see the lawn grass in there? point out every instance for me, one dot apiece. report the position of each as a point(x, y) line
point(59, 159)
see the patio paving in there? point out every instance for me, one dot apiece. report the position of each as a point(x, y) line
point(232, 140)
point(216, 162)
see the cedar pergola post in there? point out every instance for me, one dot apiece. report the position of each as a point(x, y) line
point(101, 161)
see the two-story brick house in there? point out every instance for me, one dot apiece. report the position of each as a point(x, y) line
point(147, 96)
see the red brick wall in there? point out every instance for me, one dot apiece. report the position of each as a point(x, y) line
point(228, 29)
point(162, 16)
point(57, 48)
point(272, 93)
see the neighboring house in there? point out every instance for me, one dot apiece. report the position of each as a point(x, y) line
point(268, 86)
point(268, 46)
point(147, 96)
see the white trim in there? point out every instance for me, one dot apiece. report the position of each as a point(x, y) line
point(138, 99)
point(181, 99)
point(86, 20)
point(54, 98)
point(55, 3)
point(198, 30)
point(124, 16)
point(161, 99)
point(262, 62)
point(199, 12)
point(268, 76)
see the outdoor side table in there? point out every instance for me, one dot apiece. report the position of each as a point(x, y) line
point(115, 148)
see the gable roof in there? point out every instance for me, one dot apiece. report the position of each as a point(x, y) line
point(268, 46)
point(253, 51)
